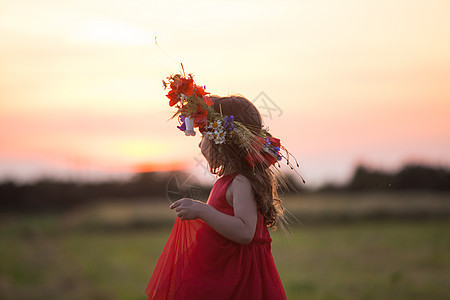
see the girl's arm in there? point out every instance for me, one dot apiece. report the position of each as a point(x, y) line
point(239, 228)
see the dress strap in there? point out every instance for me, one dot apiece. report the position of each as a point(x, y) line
point(227, 179)
point(217, 197)
point(230, 175)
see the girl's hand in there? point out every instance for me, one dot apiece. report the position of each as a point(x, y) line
point(188, 209)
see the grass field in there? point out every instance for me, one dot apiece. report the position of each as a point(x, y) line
point(77, 256)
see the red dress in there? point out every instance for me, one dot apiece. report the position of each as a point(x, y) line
point(198, 263)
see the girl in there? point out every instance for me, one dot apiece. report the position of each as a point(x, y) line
point(222, 249)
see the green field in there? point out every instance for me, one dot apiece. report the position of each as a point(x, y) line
point(73, 256)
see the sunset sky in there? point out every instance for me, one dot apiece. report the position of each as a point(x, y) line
point(353, 82)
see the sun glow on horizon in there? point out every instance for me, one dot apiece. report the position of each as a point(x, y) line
point(81, 82)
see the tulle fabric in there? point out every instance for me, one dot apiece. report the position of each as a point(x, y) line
point(198, 263)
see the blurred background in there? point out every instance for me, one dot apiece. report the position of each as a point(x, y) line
point(358, 92)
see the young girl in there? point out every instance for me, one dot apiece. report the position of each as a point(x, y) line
point(222, 249)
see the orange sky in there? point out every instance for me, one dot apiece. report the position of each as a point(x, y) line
point(81, 93)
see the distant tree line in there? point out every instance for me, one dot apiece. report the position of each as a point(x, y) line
point(52, 195)
point(410, 177)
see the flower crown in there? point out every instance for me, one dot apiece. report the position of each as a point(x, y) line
point(194, 110)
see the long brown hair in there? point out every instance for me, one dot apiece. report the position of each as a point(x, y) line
point(265, 181)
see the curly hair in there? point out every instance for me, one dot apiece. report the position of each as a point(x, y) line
point(264, 180)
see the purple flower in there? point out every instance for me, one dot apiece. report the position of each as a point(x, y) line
point(228, 123)
point(274, 150)
point(182, 127)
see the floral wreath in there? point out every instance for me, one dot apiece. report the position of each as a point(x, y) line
point(194, 110)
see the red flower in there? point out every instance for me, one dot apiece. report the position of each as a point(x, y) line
point(269, 158)
point(255, 156)
point(199, 117)
point(182, 85)
point(207, 100)
point(200, 91)
point(262, 157)
point(174, 97)
point(274, 141)
point(186, 86)
point(258, 142)
point(254, 159)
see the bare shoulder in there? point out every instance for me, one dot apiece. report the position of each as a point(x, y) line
point(243, 200)
point(241, 185)
point(241, 179)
